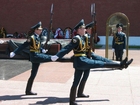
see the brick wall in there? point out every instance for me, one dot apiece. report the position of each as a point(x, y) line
point(20, 15)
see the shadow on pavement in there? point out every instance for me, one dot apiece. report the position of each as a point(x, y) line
point(100, 100)
point(54, 100)
point(17, 97)
point(49, 100)
point(102, 69)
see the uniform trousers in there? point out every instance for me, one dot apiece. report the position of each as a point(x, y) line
point(34, 70)
point(80, 75)
point(119, 54)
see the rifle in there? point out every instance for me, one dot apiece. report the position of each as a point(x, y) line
point(50, 26)
point(93, 33)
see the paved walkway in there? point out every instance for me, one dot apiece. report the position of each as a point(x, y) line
point(53, 82)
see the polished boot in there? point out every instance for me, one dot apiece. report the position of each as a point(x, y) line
point(73, 96)
point(128, 63)
point(28, 87)
point(116, 65)
point(81, 89)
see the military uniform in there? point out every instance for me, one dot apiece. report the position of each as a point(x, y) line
point(82, 64)
point(93, 55)
point(89, 26)
point(36, 56)
point(119, 43)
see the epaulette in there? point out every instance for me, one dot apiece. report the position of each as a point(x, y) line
point(86, 35)
point(75, 39)
point(29, 38)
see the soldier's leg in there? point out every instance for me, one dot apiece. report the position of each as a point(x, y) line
point(123, 64)
point(41, 58)
point(116, 54)
point(97, 57)
point(89, 63)
point(77, 77)
point(128, 63)
point(121, 55)
point(82, 84)
point(34, 71)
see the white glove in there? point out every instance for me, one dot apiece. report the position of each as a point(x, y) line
point(12, 54)
point(1, 41)
point(124, 50)
point(113, 49)
point(44, 51)
point(54, 58)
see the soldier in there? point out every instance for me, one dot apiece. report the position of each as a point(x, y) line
point(36, 57)
point(93, 55)
point(118, 43)
point(89, 32)
point(82, 63)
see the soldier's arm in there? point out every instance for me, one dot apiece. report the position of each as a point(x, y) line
point(113, 41)
point(74, 42)
point(22, 46)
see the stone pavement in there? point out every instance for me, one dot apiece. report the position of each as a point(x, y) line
point(54, 79)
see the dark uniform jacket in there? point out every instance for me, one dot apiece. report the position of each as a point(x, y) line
point(119, 41)
point(34, 44)
point(79, 45)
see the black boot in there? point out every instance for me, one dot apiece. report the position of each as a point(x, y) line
point(28, 87)
point(116, 65)
point(81, 89)
point(66, 59)
point(128, 63)
point(73, 96)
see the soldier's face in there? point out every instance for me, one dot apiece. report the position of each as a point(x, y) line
point(38, 31)
point(119, 29)
point(88, 30)
point(81, 31)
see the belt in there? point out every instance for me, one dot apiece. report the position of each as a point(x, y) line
point(77, 55)
point(37, 51)
point(119, 42)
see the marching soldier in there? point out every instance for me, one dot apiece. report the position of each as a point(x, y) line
point(82, 63)
point(89, 31)
point(89, 26)
point(93, 55)
point(118, 43)
point(37, 55)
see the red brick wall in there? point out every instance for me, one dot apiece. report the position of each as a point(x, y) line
point(20, 15)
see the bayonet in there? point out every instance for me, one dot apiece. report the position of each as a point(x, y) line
point(50, 25)
point(52, 9)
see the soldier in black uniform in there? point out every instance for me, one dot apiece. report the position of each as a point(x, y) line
point(82, 63)
point(37, 55)
point(118, 43)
